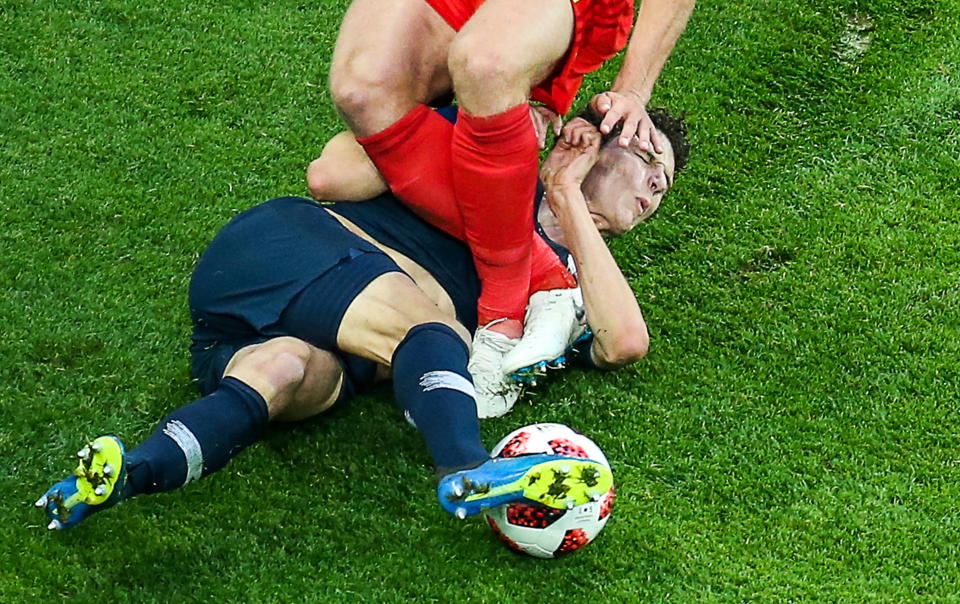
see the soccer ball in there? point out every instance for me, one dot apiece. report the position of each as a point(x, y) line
point(534, 528)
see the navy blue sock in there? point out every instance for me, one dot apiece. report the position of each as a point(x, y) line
point(432, 386)
point(197, 439)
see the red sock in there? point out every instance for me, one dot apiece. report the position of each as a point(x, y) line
point(413, 155)
point(494, 163)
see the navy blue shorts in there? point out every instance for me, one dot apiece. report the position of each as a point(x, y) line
point(284, 268)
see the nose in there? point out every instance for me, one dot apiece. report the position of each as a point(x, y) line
point(642, 204)
point(657, 181)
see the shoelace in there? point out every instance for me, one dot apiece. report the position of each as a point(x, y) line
point(497, 341)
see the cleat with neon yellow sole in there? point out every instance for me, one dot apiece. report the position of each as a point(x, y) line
point(95, 485)
point(552, 480)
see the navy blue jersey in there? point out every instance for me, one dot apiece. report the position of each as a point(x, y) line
point(446, 258)
point(267, 255)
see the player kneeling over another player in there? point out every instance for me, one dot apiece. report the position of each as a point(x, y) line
point(608, 193)
point(295, 307)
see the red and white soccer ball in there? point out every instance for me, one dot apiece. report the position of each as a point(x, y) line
point(539, 530)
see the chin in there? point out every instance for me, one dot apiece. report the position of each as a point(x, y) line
point(622, 227)
point(614, 231)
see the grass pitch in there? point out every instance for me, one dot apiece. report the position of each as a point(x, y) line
point(792, 436)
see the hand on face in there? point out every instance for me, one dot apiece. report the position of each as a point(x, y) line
point(573, 156)
point(577, 131)
point(627, 186)
point(616, 107)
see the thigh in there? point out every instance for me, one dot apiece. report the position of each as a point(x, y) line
point(601, 30)
point(396, 50)
point(296, 379)
point(527, 38)
point(381, 315)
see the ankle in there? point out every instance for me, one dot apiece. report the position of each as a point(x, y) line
point(556, 280)
point(546, 269)
point(512, 328)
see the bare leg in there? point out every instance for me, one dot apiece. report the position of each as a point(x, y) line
point(282, 379)
point(505, 49)
point(495, 60)
point(380, 317)
point(393, 322)
point(295, 379)
point(390, 56)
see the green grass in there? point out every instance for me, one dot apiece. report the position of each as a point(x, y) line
point(791, 437)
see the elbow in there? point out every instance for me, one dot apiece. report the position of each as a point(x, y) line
point(632, 349)
point(318, 182)
point(629, 346)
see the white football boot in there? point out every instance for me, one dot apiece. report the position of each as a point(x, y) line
point(554, 320)
point(496, 395)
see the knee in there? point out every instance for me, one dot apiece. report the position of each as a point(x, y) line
point(282, 362)
point(352, 93)
point(287, 370)
point(476, 66)
point(288, 362)
point(362, 86)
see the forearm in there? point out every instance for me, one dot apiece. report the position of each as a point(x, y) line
point(620, 332)
point(343, 172)
point(658, 27)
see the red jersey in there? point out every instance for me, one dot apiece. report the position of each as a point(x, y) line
point(601, 30)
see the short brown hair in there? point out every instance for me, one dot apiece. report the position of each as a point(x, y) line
point(672, 127)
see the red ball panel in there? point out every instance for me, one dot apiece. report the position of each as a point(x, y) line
point(516, 446)
point(532, 516)
point(606, 504)
point(573, 540)
point(564, 446)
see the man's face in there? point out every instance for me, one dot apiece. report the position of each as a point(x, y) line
point(625, 186)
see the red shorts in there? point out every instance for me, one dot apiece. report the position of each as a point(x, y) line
point(601, 30)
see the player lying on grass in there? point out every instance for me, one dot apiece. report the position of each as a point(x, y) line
point(298, 306)
point(616, 204)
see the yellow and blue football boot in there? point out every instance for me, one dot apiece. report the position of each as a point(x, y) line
point(95, 485)
point(556, 481)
